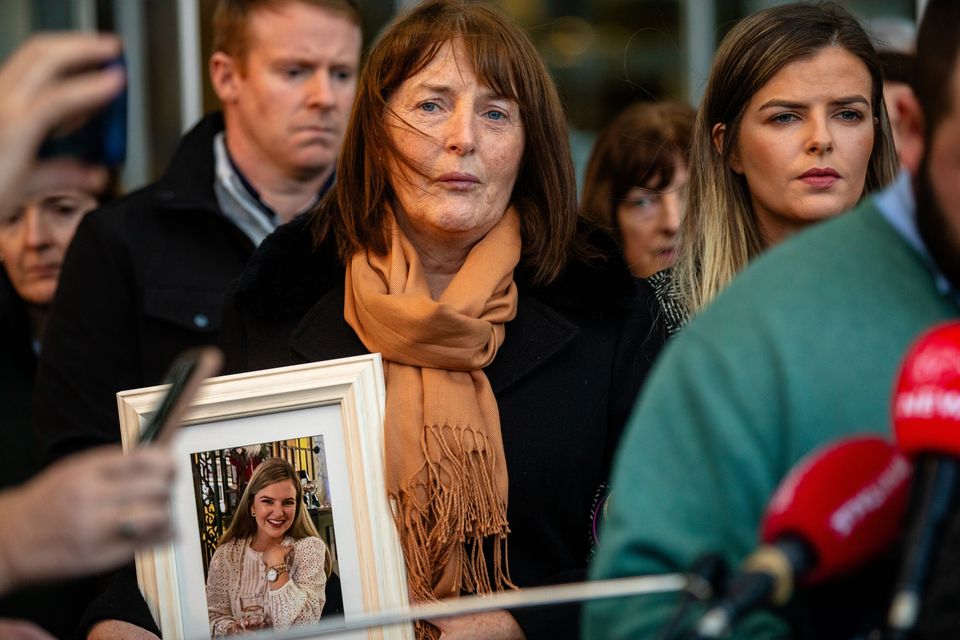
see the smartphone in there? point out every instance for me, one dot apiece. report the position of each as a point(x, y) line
point(101, 140)
point(184, 376)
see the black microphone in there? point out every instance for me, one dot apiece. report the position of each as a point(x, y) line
point(707, 575)
point(926, 420)
point(837, 509)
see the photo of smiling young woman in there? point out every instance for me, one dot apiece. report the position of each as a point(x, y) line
point(271, 566)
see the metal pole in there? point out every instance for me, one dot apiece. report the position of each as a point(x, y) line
point(191, 82)
point(700, 41)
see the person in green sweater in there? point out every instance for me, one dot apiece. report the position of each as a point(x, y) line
point(800, 350)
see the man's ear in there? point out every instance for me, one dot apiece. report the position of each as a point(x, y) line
point(717, 134)
point(909, 131)
point(224, 76)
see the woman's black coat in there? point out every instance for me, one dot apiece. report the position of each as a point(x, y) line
point(565, 380)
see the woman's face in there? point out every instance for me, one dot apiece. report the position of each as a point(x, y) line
point(34, 240)
point(467, 143)
point(805, 141)
point(648, 220)
point(274, 508)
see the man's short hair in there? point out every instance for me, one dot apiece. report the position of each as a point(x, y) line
point(231, 18)
point(938, 45)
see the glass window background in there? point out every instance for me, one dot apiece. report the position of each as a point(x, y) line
point(603, 54)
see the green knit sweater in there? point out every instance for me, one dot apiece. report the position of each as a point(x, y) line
point(800, 350)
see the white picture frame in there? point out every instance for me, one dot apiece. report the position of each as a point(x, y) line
point(340, 400)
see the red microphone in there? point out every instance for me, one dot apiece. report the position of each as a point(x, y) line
point(838, 508)
point(926, 420)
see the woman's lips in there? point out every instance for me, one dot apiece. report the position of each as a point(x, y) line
point(43, 271)
point(820, 178)
point(458, 181)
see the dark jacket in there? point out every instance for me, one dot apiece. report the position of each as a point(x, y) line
point(55, 607)
point(18, 365)
point(565, 379)
point(143, 279)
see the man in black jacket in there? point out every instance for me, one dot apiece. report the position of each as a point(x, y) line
point(145, 277)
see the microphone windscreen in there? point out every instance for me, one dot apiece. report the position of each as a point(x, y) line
point(926, 401)
point(846, 501)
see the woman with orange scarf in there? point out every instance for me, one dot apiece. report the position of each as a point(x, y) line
point(513, 337)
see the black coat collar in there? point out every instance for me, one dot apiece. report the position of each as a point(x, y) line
point(289, 273)
point(536, 334)
point(291, 280)
point(188, 181)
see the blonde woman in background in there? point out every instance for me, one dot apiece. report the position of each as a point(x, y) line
point(792, 130)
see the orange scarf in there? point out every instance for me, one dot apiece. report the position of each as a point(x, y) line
point(446, 471)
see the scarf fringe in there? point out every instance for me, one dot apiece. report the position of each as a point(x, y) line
point(448, 509)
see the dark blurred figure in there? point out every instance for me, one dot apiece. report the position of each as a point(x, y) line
point(67, 521)
point(895, 40)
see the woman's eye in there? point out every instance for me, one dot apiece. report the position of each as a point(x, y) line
point(12, 221)
point(783, 118)
point(64, 209)
point(429, 107)
point(642, 203)
point(496, 115)
point(850, 114)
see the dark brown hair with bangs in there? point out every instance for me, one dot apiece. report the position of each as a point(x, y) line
point(505, 60)
point(640, 148)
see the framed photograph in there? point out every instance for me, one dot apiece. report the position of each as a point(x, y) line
point(326, 420)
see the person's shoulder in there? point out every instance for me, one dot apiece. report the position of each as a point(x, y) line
point(309, 543)
point(184, 187)
point(825, 262)
point(133, 203)
point(288, 273)
point(121, 223)
point(845, 241)
point(309, 549)
point(838, 241)
point(594, 281)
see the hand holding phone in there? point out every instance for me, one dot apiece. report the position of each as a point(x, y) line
point(101, 140)
point(184, 376)
point(40, 91)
